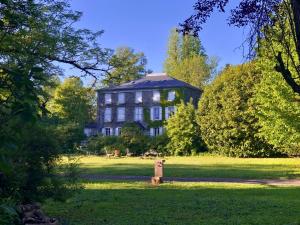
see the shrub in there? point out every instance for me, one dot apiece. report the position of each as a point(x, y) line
point(105, 144)
point(183, 131)
point(133, 138)
point(159, 144)
point(29, 165)
point(226, 114)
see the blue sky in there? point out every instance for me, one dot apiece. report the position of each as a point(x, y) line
point(145, 26)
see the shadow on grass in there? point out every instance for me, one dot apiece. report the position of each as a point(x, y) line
point(246, 171)
point(139, 203)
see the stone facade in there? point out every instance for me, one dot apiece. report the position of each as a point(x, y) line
point(130, 104)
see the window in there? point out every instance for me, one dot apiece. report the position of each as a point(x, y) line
point(107, 98)
point(138, 97)
point(171, 96)
point(169, 111)
point(118, 131)
point(156, 113)
point(107, 131)
point(156, 131)
point(121, 98)
point(156, 96)
point(107, 115)
point(121, 114)
point(138, 114)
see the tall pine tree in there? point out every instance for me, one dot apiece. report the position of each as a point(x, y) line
point(186, 60)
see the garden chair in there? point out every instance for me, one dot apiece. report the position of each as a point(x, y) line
point(108, 154)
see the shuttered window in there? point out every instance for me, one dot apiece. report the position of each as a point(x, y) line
point(107, 98)
point(156, 113)
point(171, 96)
point(169, 111)
point(138, 114)
point(121, 98)
point(121, 114)
point(107, 131)
point(156, 96)
point(138, 97)
point(107, 115)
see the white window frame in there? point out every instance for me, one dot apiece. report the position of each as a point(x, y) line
point(138, 114)
point(121, 98)
point(107, 98)
point(118, 131)
point(107, 131)
point(107, 115)
point(156, 131)
point(121, 114)
point(153, 109)
point(138, 97)
point(171, 96)
point(156, 96)
point(168, 112)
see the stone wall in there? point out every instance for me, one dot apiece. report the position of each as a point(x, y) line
point(130, 104)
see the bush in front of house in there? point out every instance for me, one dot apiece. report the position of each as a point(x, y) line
point(134, 139)
point(183, 131)
point(102, 145)
point(159, 144)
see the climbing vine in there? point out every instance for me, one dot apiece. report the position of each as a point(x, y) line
point(179, 95)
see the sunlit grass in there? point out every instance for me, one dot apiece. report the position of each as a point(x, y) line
point(202, 166)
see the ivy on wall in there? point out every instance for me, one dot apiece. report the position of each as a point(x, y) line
point(179, 95)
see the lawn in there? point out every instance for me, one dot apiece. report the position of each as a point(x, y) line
point(136, 203)
point(202, 166)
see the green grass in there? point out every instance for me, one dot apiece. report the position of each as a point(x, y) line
point(203, 166)
point(136, 203)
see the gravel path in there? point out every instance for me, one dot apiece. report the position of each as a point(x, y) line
point(274, 182)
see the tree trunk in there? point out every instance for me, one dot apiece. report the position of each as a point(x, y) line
point(286, 73)
point(296, 13)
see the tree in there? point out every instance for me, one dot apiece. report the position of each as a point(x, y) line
point(126, 66)
point(226, 114)
point(71, 107)
point(278, 107)
point(37, 36)
point(183, 131)
point(187, 60)
point(261, 16)
point(173, 52)
point(73, 102)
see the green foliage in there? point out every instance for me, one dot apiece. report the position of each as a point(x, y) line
point(8, 212)
point(226, 114)
point(183, 131)
point(127, 65)
point(179, 96)
point(73, 102)
point(28, 162)
point(36, 38)
point(71, 107)
point(278, 107)
point(187, 60)
point(159, 144)
point(133, 138)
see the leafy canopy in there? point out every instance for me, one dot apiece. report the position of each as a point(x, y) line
point(126, 66)
point(186, 60)
point(226, 114)
point(183, 131)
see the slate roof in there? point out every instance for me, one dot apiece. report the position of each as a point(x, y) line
point(150, 81)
